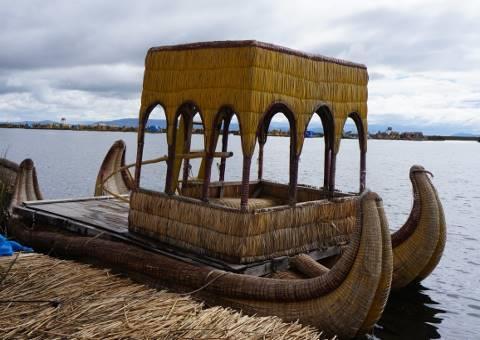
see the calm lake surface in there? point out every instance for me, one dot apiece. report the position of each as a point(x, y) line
point(446, 305)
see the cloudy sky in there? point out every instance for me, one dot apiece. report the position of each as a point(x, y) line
point(83, 60)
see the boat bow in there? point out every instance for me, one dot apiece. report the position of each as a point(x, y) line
point(19, 181)
point(418, 245)
point(113, 176)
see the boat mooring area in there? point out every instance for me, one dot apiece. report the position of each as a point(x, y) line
point(42, 296)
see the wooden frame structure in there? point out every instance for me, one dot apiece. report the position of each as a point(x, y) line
point(253, 81)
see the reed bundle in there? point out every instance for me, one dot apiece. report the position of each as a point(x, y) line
point(46, 297)
point(249, 76)
point(418, 245)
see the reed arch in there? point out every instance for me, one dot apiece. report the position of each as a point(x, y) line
point(262, 133)
point(183, 123)
point(362, 141)
point(143, 119)
point(328, 126)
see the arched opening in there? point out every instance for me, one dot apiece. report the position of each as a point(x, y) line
point(152, 143)
point(283, 125)
point(225, 121)
point(354, 138)
point(319, 134)
point(271, 167)
point(233, 165)
point(188, 137)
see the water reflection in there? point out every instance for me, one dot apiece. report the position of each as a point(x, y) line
point(410, 314)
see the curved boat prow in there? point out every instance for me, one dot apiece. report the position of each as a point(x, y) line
point(346, 300)
point(26, 184)
point(418, 245)
point(112, 178)
point(8, 174)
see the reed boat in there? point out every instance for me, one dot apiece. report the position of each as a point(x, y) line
point(18, 183)
point(317, 255)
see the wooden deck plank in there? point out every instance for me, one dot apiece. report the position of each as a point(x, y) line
point(106, 214)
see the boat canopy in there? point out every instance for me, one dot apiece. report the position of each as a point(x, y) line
point(253, 81)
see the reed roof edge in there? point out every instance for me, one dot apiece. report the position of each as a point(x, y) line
point(258, 44)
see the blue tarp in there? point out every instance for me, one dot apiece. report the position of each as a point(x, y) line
point(8, 247)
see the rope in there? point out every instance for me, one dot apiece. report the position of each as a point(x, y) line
point(9, 268)
point(206, 284)
point(423, 170)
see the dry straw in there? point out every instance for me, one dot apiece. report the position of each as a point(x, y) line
point(43, 297)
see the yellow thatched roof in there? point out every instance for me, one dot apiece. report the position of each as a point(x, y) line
point(249, 76)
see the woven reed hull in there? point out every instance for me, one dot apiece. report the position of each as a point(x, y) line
point(239, 237)
point(346, 300)
point(20, 181)
point(418, 245)
point(121, 182)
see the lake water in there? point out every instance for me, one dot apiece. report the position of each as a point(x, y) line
point(446, 305)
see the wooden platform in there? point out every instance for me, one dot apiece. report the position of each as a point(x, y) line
point(109, 216)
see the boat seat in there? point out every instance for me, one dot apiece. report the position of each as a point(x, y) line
point(253, 203)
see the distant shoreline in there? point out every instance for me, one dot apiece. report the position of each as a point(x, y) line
point(107, 128)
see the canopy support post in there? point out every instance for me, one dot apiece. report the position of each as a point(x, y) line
point(223, 160)
point(208, 175)
point(138, 164)
point(327, 167)
point(186, 150)
point(333, 167)
point(169, 176)
point(292, 187)
point(363, 169)
point(244, 190)
point(260, 160)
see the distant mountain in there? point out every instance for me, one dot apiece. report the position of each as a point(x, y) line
point(128, 122)
point(132, 122)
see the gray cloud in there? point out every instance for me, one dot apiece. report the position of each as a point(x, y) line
point(92, 52)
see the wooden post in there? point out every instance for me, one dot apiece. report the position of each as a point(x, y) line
point(138, 164)
point(223, 160)
point(327, 167)
point(363, 169)
point(208, 175)
point(260, 160)
point(244, 190)
point(186, 149)
point(168, 178)
point(333, 167)
point(292, 187)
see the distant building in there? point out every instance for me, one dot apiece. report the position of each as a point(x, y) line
point(153, 128)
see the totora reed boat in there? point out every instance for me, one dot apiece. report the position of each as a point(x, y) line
point(316, 255)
